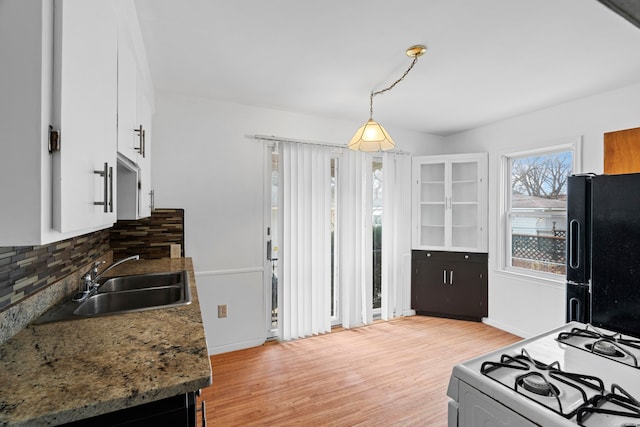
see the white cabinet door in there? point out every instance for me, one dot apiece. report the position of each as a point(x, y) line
point(134, 117)
point(85, 108)
point(450, 202)
point(25, 107)
point(430, 202)
point(144, 111)
point(127, 95)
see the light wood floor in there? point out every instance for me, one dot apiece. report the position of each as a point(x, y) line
point(386, 374)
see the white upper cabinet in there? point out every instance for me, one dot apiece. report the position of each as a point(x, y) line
point(127, 94)
point(26, 74)
point(85, 111)
point(60, 71)
point(450, 202)
point(135, 108)
point(144, 113)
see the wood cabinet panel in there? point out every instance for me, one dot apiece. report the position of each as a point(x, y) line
point(622, 151)
point(449, 284)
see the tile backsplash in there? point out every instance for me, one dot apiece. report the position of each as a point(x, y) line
point(150, 237)
point(24, 270)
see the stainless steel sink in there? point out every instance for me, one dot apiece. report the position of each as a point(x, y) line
point(127, 294)
point(131, 301)
point(143, 281)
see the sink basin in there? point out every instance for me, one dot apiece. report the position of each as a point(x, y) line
point(143, 281)
point(127, 294)
point(131, 301)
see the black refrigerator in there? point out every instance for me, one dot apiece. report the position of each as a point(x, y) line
point(603, 251)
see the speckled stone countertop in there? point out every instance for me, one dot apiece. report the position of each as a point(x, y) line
point(60, 372)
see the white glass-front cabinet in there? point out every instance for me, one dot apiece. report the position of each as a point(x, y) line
point(450, 202)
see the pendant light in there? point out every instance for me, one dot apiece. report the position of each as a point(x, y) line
point(371, 136)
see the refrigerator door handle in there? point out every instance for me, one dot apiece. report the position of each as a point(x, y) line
point(574, 309)
point(574, 244)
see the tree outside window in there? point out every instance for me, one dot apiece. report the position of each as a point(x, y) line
point(537, 211)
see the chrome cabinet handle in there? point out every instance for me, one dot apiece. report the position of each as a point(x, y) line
point(451, 277)
point(110, 188)
point(444, 277)
point(141, 138)
point(107, 188)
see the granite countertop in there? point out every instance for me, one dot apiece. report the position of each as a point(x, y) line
point(61, 372)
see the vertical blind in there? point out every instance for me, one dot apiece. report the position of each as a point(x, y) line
point(304, 298)
point(306, 241)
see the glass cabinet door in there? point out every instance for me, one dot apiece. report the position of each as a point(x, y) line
point(464, 204)
point(450, 202)
point(432, 204)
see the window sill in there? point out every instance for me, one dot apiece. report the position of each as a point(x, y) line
point(549, 280)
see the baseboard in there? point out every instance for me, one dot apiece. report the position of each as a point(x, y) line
point(235, 346)
point(505, 327)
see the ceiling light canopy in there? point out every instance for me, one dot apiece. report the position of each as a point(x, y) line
point(371, 136)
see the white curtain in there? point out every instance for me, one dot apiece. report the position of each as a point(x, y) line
point(396, 232)
point(305, 206)
point(355, 238)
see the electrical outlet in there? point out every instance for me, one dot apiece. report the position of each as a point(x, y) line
point(222, 311)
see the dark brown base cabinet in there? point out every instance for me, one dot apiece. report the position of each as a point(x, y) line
point(449, 284)
point(175, 411)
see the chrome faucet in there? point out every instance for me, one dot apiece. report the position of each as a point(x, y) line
point(89, 283)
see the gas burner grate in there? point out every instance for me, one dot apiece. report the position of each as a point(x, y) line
point(618, 403)
point(611, 346)
point(537, 379)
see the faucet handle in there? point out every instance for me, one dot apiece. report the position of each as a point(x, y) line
point(93, 271)
point(96, 264)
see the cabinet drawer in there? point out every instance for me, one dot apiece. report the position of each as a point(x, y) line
point(443, 256)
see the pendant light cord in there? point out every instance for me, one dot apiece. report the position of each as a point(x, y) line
point(415, 59)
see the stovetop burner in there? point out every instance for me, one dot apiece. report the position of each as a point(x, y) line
point(536, 383)
point(548, 385)
point(605, 348)
point(613, 345)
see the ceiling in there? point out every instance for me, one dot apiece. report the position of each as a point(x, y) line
point(485, 61)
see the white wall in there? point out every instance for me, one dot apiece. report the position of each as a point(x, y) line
point(205, 161)
point(518, 304)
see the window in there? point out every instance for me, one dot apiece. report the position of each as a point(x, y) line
point(535, 210)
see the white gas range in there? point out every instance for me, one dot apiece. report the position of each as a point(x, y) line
point(572, 375)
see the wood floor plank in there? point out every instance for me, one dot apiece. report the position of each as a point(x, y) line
point(387, 374)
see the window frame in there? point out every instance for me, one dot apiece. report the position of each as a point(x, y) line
point(572, 144)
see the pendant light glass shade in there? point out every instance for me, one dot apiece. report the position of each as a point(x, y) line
point(371, 136)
